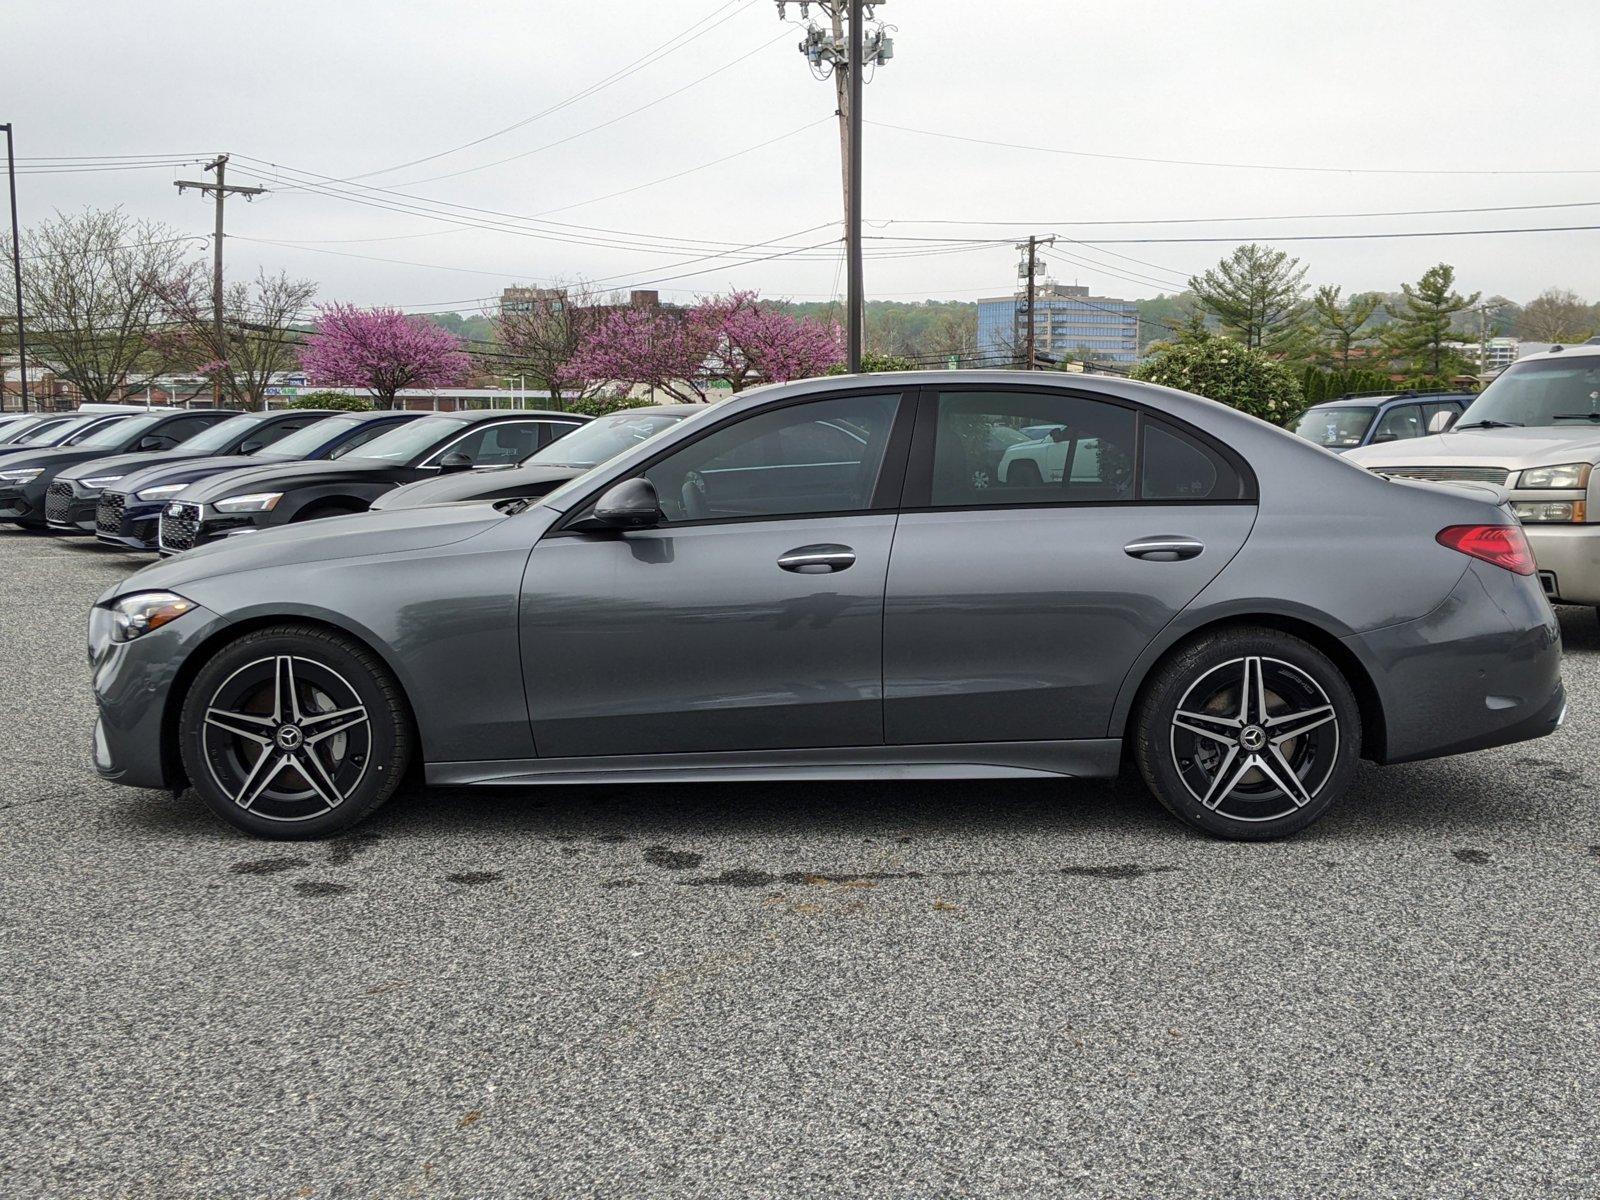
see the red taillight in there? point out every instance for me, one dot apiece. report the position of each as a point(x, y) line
point(1503, 545)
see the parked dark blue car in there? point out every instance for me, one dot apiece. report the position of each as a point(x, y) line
point(129, 513)
point(1364, 419)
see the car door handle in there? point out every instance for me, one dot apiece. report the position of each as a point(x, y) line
point(817, 560)
point(1164, 548)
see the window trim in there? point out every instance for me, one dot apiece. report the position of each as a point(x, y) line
point(917, 496)
point(885, 494)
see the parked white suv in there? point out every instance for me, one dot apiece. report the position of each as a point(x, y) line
point(1536, 432)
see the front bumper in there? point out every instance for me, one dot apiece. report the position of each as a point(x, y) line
point(1483, 669)
point(23, 504)
point(123, 521)
point(68, 510)
point(183, 526)
point(133, 690)
point(1569, 561)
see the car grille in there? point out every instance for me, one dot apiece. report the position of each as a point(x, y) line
point(180, 523)
point(108, 513)
point(58, 502)
point(1498, 476)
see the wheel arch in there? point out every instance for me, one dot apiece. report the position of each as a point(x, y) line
point(217, 639)
point(1356, 673)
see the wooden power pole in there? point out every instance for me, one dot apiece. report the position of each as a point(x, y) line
point(1031, 269)
point(220, 190)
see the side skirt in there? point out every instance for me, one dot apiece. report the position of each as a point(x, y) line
point(1082, 759)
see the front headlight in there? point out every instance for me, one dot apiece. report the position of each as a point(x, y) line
point(255, 502)
point(1549, 512)
point(1567, 475)
point(26, 476)
point(100, 481)
point(160, 493)
point(136, 615)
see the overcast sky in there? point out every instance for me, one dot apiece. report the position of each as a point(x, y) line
point(332, 90)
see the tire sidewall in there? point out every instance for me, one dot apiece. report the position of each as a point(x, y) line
point(387, 718)
point(1153, 748)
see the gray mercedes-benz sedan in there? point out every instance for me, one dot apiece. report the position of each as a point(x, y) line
point(828, 579)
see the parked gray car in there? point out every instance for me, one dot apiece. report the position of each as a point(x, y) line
point(1240, 612)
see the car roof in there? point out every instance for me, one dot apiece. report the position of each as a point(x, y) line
point(491, 414)
point(1391, 397)
point(1589, 349)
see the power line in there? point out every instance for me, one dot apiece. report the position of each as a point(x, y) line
point(1141, 221)
point(1243, 166)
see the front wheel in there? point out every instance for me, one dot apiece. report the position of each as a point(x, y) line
point(294, 732)
point(1248, 734)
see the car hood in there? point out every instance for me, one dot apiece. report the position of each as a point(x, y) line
point(364, 535)
point(491, 483)
point(48, 459)
point(265, 477)
point(183, 471)
point(1514, 449)
point(121, 464)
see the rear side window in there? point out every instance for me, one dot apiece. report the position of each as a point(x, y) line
point(1178, 467)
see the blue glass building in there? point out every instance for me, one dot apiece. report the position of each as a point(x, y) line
point(1068, 322)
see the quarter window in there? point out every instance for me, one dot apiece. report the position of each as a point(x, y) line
point(1030, 448)
point(823, 456)
point(1177, 467)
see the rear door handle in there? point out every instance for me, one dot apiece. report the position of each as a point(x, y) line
point(817, 560)
point(1164, 548)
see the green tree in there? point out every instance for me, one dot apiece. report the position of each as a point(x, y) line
point(1226, 371)
point(873, 362)
point(1337, 324)
point(1258, 294)
point(1420, 334)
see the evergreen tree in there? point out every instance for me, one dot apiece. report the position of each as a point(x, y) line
point(1420, 333)
point(1258, 294)
point(1337, 324)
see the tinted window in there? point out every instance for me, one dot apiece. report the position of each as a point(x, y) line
point(604, 437)
point(819, 457)
point(373, 431)
point(218, 435)
point(1030, 448)
point(184, 428)
point(118, 433)
point(1334, 427)
point(1177, 467)
point(500, 444)
point(1399, 423)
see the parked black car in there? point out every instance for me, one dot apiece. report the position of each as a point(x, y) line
point(599, 440)
point(25, 478)
point(80, 487)
point(18, 426)
point(435, 444)
point(129, 512)
point(58, 429)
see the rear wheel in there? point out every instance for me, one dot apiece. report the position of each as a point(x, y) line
point(294, 732)
point(1248, 734)
point(1024, 472)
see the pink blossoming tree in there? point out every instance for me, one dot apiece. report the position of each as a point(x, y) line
point(735, 341)
point(382, 350)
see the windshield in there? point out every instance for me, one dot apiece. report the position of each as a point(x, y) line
point(118, 432)
point(409, 440)
point(305, 442)
point(603, 438)
point(220, 434)
point(50, 431)
point(1550, 391)
point(1335, 427)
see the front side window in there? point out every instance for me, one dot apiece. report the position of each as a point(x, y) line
point(1399, 423)
point(498, 445)
point(1030, 448)
point(823, 456)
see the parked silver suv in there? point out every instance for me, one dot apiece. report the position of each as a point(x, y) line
point(1536, 432)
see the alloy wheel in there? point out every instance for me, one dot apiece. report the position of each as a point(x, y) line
point(1255, 739)
point(286, 738)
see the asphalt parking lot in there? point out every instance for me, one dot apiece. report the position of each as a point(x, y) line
point(961, 989)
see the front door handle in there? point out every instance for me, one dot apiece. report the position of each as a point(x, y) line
point(1164, 548)
point(817, 560)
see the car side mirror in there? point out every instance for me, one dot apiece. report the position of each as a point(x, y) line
point(251, 446)
point(1060, 434)
point(1441, 421)
point(154, 441)
point(1384, 437)
point(632, 504)
point(455, 461)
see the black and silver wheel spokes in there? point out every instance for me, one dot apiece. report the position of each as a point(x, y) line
point(1255, 739)
point(287, 738)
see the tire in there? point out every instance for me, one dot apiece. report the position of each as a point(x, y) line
point(1253, 779)
point(303, 769)
point(1024, 472)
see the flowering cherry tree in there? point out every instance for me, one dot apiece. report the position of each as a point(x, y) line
point(735, 341)
point(382, 350)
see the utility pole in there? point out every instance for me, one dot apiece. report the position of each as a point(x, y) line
point(844, 51)
point(16, 272)
point(1030, 268)
point(221, 190)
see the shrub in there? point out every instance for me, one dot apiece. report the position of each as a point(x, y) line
point(338, 400)
point(1222, 369)
point(600, 406)
point(873, 363)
